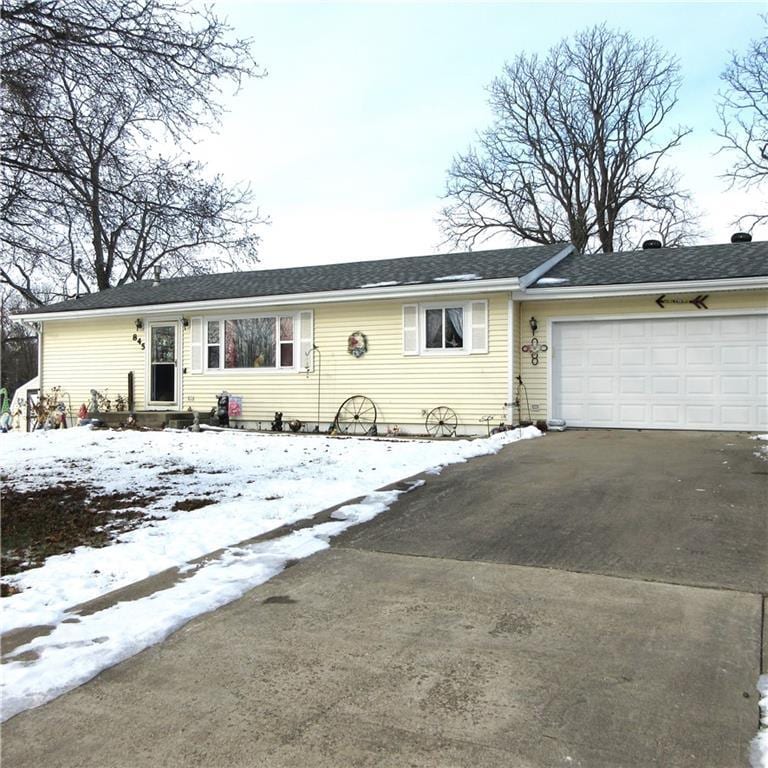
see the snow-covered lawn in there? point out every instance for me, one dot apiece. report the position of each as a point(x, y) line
point(259, 482)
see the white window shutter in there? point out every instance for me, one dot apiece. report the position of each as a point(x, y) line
point(196, 345)
point(479, 319)
point(306, 340)
point(410, 329)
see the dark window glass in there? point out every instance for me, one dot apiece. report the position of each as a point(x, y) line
point(434, 318)
point(249, 343)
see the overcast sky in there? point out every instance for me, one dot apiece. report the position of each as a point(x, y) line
point(347, 141)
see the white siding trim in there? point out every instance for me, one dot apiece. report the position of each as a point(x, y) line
point(640, 289)
point(306, 360)
point(196, 345)
point(478, 329)
point(411, 321)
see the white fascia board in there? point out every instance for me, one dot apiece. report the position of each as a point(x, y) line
point(543, 268)
point(459, 288)
point(639, 289)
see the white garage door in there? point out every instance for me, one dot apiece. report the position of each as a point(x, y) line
point(680, 373)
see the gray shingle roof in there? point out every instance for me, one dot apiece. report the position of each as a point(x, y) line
point(362, 275)
point(705, 262)
point(701, 262)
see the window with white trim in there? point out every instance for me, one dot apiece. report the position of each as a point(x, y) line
point(261, 342)
point(445, 328)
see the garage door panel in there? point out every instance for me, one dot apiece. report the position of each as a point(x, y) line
point(665, 331)
point(629, 331)
point(736, 385)
point(572, 385)
point(666, 415)
point(601, 333)
point(601, 413)
point(701, 416)
point(699, 385)
point(633, 356)
point(739, 415)
point(700, 355)
point(665, 385)
point(697, 373)
point(601, 358)
point(738, 355)
point(632, 385)
point(698, 328)
point(600, 385)
point(665, 356)
point(736, 326)
point(633, 414)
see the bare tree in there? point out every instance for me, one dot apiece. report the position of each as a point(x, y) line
point(94, 90)
point(18, 345)
point(573, 153)
point(743, 113)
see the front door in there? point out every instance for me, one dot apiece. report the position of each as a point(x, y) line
point(163, 378)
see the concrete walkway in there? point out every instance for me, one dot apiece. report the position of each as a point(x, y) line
point(591, 598)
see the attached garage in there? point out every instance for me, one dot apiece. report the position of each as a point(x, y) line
point(677, 372)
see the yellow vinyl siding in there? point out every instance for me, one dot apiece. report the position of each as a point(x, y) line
point(80, 355)
point(401, 386)
point(536, 377)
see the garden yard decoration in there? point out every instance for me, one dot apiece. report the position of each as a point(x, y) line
point(357, 344)
point(221, 412)
point(534, 347)
point(5, 411)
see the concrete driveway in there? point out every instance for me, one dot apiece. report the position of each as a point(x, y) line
point(586, 599)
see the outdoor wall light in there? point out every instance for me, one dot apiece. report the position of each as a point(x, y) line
point(139, 324)
point(185, 322)
point(534, 325)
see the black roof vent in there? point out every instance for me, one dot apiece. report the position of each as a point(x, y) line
point(741, 237)
point(648, 244)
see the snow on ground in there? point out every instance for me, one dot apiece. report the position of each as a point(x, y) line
point(260, 481)
point(762, 450)
point(759, 746)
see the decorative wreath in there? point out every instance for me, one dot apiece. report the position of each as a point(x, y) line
point(357, 344)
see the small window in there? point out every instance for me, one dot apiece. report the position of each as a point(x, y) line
point(460, 328)
point(444, 328)
point(213, 345)
point(286, 342)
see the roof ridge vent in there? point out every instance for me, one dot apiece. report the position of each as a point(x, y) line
point(649, 244)
point(156, 279)
point(741, 237)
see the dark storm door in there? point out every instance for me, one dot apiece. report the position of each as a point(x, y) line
point(162, 377)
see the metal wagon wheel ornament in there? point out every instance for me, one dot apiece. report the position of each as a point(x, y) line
point(356, 416)
point(441, 422)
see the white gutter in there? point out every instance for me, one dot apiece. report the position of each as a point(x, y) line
point(632, 289)
point(319, 297)
point(544, 267)
point(40, 384)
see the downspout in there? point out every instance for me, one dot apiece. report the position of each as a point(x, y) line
point(40, 327)
point(510, 360)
